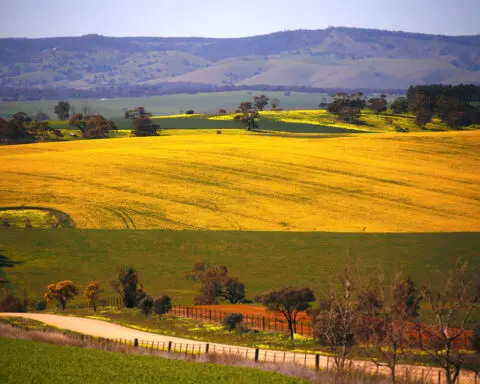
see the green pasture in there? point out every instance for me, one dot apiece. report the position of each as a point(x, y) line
point(263, 260)
point(24, 361)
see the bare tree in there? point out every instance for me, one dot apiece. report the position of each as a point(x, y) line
point(335, 320)
point(385, 323)
point(452, 300)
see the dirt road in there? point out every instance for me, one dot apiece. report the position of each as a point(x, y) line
point(99, 328)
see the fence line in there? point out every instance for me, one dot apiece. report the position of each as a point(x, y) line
point(262, 323)
point(308, 360)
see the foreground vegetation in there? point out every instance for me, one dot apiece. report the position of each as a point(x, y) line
point(23, 360)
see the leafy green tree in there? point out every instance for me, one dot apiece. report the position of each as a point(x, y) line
point(126, 284)
point(146, 305)
point(422, 117)
point(378, 104)
point(289, 301)
point(245, 107)
point(275, 103)
point(62, 110)
point(260, 102)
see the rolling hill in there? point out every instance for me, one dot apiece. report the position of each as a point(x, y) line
point(329, 58)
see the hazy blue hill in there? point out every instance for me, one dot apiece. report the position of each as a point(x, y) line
point(333, 57)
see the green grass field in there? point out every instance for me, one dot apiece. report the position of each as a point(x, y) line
point(263, 260)
point(24, 361)
point(165, 105)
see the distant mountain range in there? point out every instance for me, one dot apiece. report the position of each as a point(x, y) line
point(329, 58)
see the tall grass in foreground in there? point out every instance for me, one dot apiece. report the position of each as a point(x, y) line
point(23, 361)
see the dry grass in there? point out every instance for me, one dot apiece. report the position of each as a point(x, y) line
point(418, 182)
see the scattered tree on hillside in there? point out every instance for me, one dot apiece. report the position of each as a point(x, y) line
point(189, 112)
point(162, 305)
point(135, 113)
point(452, 299)
point(41, 116)
point(423, 117)
point(378, 104)
point(260, 102)
point(289, 301)
point(63, 292)
point(144, 126)
point(92, 293)
point(216, 284)
point(62, 110)
point(222, 111)
point(12, 130)
point(126, 284)
point(347, 107)
point(275, 103)
point(93, 127)
point(400, 105)
point(455, 114)
point(245, 107)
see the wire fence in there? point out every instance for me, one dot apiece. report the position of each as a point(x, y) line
point(419, 335)
point(317, 362)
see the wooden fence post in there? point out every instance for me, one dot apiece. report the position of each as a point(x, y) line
point(135, 343)
point(169, 346)
point(257, 351)
point(317, 362)
point(263, 322)
point(440, 378)
point(207, 348)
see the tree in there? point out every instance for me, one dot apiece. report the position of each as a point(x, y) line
point(260, 102)
point(452, 300)
point(63, 292)
point(41, 116)
point(92, 293)
point(146, 305)
point(250, 120)
point(423, 117)
point(216, 284)
point(400, 105)
point(222, 111)
point(11, 303)
point(93, 127)
point(62, 110)
point(335, 320)
point(378, 104)
point(476, 339)
point(136, 113)
point(275, 103)
point(162, 305)
point(289, 301)
point(231, 320)
point(385, 325)
point(126, 285)
point(245, 106)
point(12, 130)
point(189, 112)
point(143, 126)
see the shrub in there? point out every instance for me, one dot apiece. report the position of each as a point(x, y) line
point(11, 303)
point(190, 112)
point(219, 132)
point(231, 320)
point(162, 305)
point(41, 305)
point(146, 305)
point(222, 111)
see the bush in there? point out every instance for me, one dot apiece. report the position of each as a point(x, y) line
point(162, 305)
point(11, 303)
point(231, 321)
point(219, 132)
point(190, 112)
point(222, 111)
point(41, 305)
point(146, 305)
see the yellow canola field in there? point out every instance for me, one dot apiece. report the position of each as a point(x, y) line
point(418, 182)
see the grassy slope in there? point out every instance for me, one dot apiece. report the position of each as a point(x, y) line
point(386, 183)
point(23, 361)
point(263, 260)
point(201, 102)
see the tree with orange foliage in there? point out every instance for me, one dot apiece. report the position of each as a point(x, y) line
point(63, 291)
point(92, 293)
